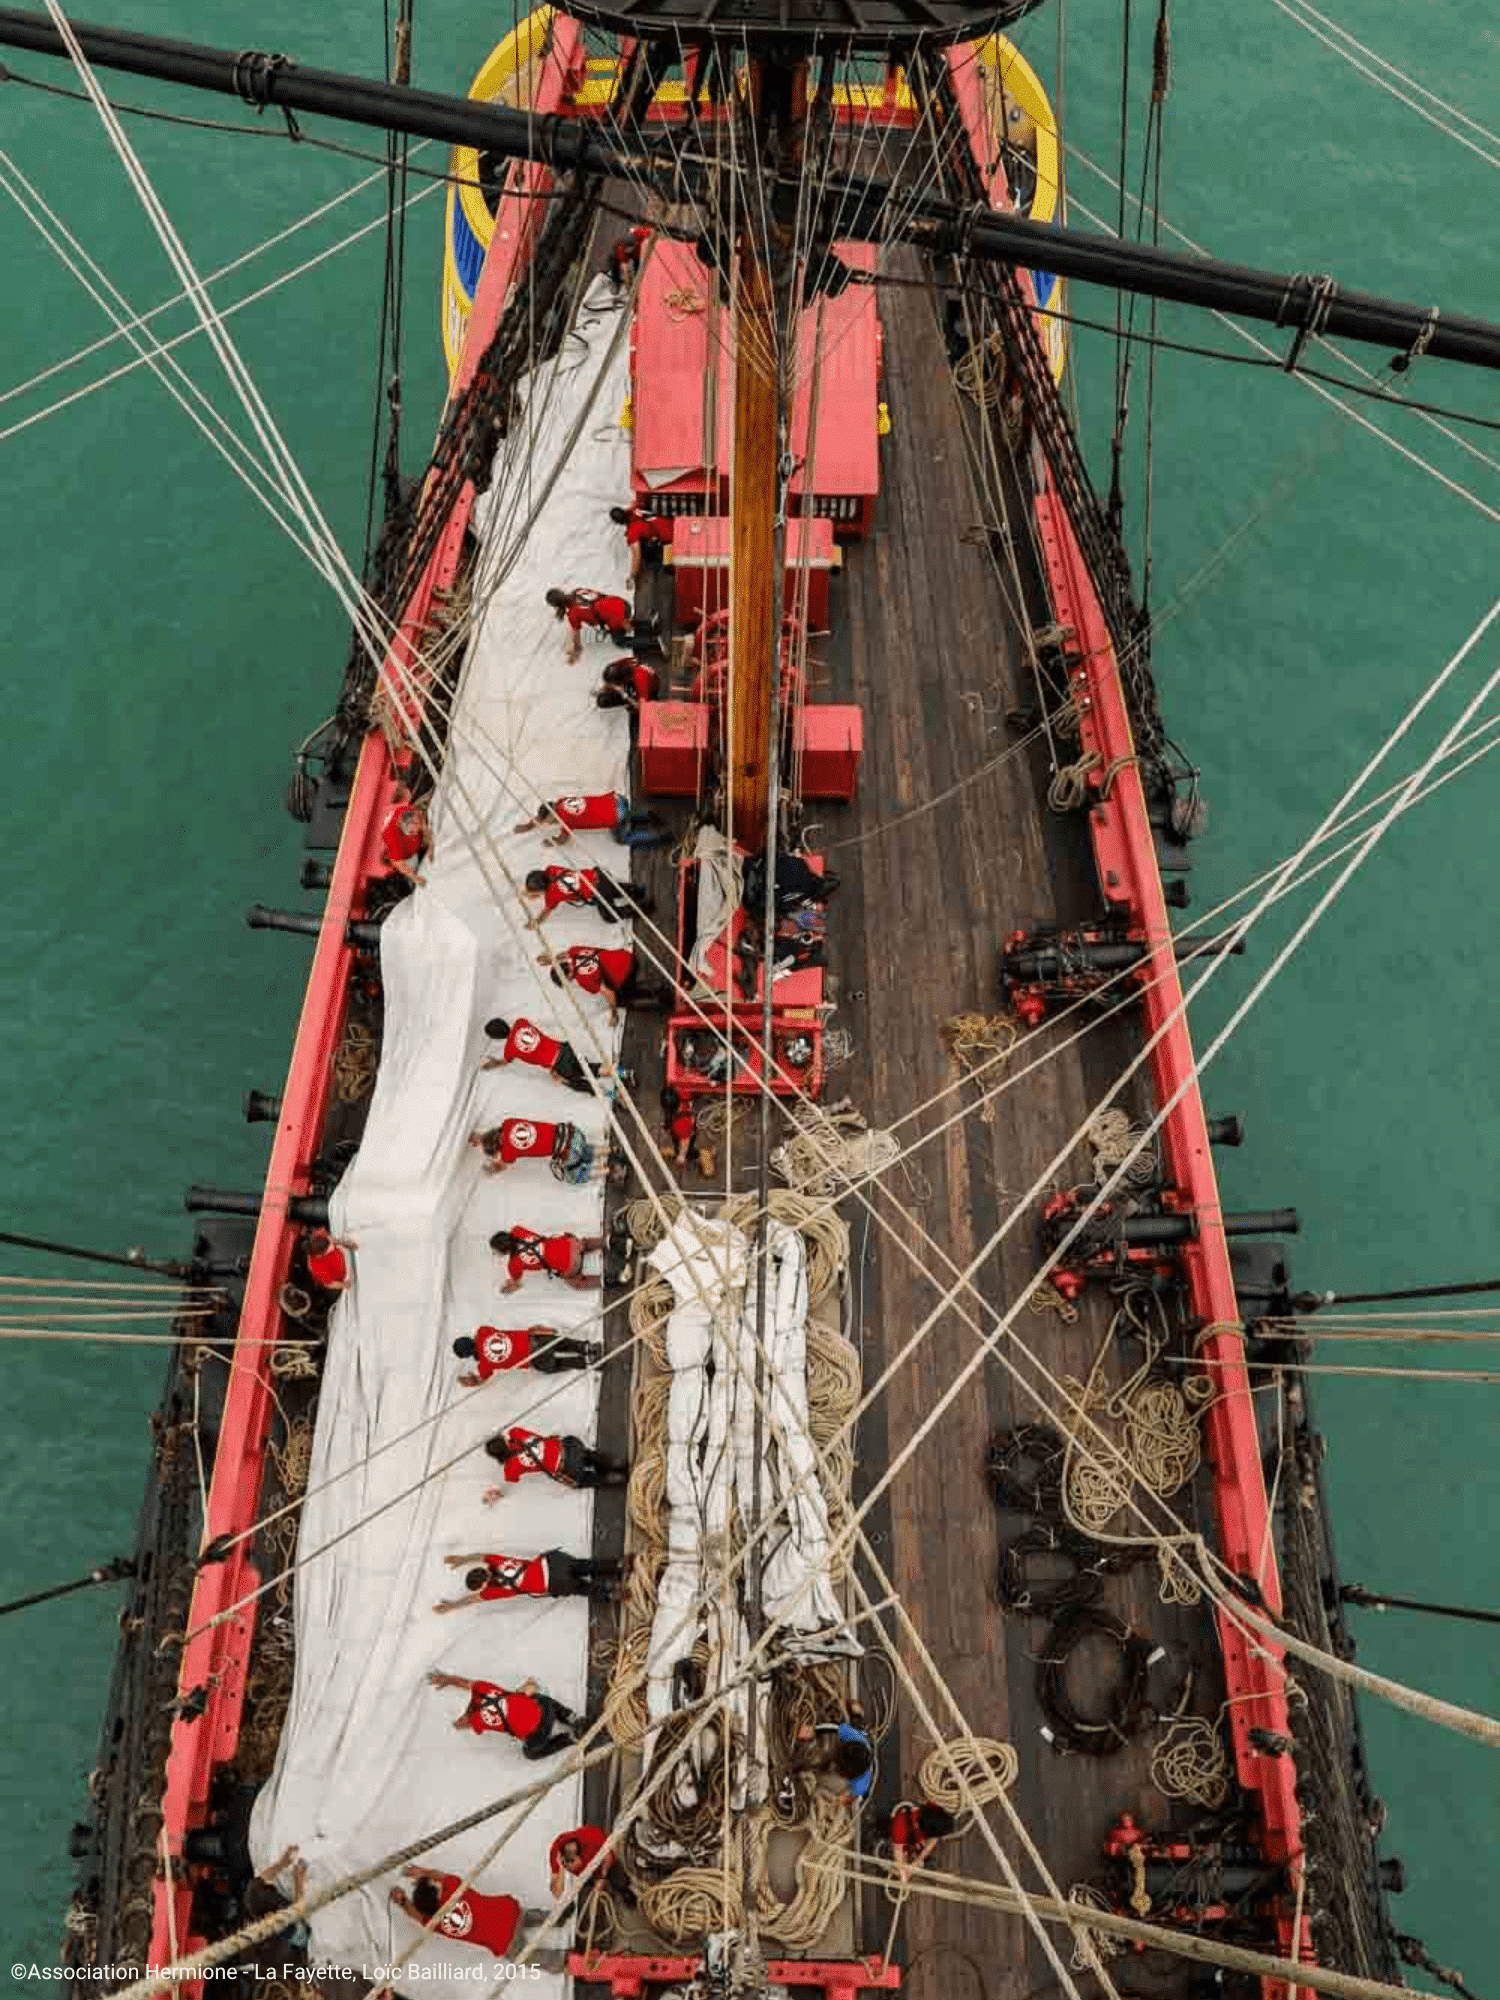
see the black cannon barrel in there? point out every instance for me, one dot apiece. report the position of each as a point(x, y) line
point(1226, 1131)
point(359, 932)
point(1048, 963)
point(1226, 945)
point(302, 923)
point(262, 1107)
point(1264, 1222)
point(316, 874)
point(1145, 1230)
point(1044, 962)
point(310, 1208)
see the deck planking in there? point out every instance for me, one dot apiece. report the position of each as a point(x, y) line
point(924, 639)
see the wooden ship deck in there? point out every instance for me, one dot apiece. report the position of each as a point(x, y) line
point(925, 639)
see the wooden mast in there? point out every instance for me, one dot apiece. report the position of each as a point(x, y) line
point(753, 645)
point(778, 104)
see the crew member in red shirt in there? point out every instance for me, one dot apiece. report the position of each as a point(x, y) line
point(625, 255)
point(914, 1831)
point(541, 1725)
point(567, 1149)
point(493, 1349)
point(490, 1922)
point(682, 1133)
point(553, 1573)
point(646, 534)
point(522, 1041)
point(404, 838)
point(598, 812)
point(568, 1460)
point(588, 886)
point(601, 611)
point(573, 1852)
point(629, 681)
point(529, 1253)
point(614, 974)
point(327, 1265)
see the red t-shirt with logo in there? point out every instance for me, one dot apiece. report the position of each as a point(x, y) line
point(526, 1139)
point(495, 1709)
point(590, 1840)
point(398, 843)
point(329, 1267)
point(531, 1453)
point(906, 1834)
point(488, 1921)
point(649, 528)
point(597, 608)
point(494, 1350)
point(557, 1254)
point(589, 812)
point(593, 967)
point(516, 1576)
point(526, 1043)
point(570, 885)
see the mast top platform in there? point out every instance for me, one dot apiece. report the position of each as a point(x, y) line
point(872, 26)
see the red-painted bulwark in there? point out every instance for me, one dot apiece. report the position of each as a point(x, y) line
point(1125, 856)
point(216, 1656)
point(1125, 859)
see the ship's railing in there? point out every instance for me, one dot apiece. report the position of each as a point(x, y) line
point(1345, 1895)
point(1002, 303)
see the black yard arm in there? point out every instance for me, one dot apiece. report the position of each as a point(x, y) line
point(1303, 303)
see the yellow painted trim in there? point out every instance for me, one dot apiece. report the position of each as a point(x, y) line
point(500, 68)
point(456, 302)
point(998, 58)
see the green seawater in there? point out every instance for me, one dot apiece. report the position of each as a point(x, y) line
point(167, 648)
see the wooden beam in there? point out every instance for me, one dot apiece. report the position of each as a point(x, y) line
point(753, 644)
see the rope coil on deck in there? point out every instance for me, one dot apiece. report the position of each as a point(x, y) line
point(1160, 1444)
point(1113, 1139)
point(1127, 1711)
point(1089, 1946)
point(968, 1770)
point(829, 1147)
point(1189, 1762)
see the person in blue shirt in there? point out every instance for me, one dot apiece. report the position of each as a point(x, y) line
point(843, 1748)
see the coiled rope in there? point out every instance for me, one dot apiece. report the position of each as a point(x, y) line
point(968, 1770)
point(977, 1041)
point(818, 1875)
point(1189, 1762)
point(1091, 1945)
point(354, 1064)
point(1125, 1713)
point(693, 1902)
point(829, 1147)
point(1161, 1448)
point(1113, 1139)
